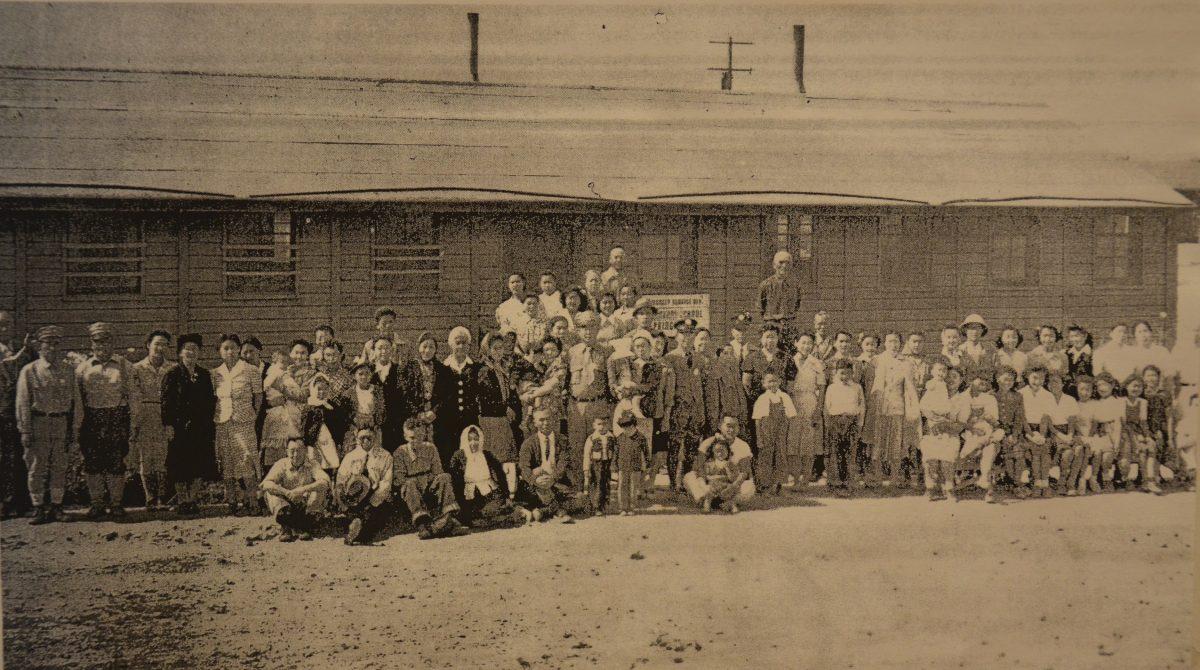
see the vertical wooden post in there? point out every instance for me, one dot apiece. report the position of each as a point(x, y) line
point(798, 38)
point(473, 20)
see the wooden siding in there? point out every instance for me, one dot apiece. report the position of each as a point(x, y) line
point(852, 273)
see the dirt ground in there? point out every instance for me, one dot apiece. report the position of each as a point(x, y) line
point(1098, 582)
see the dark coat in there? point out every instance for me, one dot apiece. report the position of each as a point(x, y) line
point(455, 405)
point(403, 397)
point(531, 458)
point(458, 467)
point(188, 406)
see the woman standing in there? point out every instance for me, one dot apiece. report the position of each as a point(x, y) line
point(455, 403)
point(1049, 353)
point(806, 374)
point(238, 391)
point(188, 401)
point(498, 406)
point(897, 409)
point(1009, 354)
point(286, 392)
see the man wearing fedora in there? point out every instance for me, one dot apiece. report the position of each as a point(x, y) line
point(49, 413)
point(297, 490)
point(364, 487)
point(111, 402)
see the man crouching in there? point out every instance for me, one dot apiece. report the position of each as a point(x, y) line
point(425, 488)
point(364, 487)
point(545, 469)
point(296, 490)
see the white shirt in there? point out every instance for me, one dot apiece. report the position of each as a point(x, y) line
point(1063, 410)
point(366, 400)
point(552, 303)
point(477, 477)
point(508, 311)
point(762, 406)
point(223, 378)
point(843, 399)
point(452, 363)
point(1037, 405)
point(738, 450)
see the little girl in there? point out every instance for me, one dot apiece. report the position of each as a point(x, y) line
point(1107, 414)
point(1039, 405)
point(1076, 478)
point(1138, 449)
point(720, 475)
point(773, 414)
point(939, 441)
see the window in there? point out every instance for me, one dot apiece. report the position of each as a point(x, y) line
point(103, 256)
point(794, 234)
point(1013, 255)
point(665, 254)
point(904, 254)
point(1116, 256)
point(406, 257)
point(260, 255)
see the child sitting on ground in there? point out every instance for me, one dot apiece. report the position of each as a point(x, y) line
point(721, 475)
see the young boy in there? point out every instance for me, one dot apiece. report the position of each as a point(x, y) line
point(1010, 412)
point(773, 415)
point(598, 451)
point(631, 462)
point(845, 411)
point(426, 489)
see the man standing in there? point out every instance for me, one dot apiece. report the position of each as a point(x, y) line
point(590, 387)
point(822, 342)
point(687, 410)
point(615, 278)
point(148, 444)
point(779, 297)
point(511, 311)
point(49, 414)
point(14, 491)
point(593, 287)
point(110, 407)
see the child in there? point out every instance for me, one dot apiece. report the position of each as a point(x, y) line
point(1138, 449)
point(640, 387)
point(631, 463)
point(1010, 408)
point(1064, 413)
point(1038, 406)
point(773, 414)
point(1107, 414)
point(979, 411)
point(598, 451)
point(950, 353)
point(1079, 356)
point(845, 411)
point(1158, 417)
point(865, 371)
point(316, 415)
point(939, 442)
point(1085, 428)
point(720, 476)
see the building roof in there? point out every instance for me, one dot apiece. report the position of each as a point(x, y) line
point(176, 134)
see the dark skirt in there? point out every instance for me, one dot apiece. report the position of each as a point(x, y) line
point(192, 455)
point(498, 438)
point(104, 440)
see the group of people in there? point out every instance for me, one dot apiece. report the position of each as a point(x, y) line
point(575, 402)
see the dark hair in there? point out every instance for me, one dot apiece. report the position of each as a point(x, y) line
point(548, 273)
point(583, 299)
point(1044, 326)
point(230, 337)
point(1076, 328)
point(804, 333)
point(334, 344)
point(608, 294)
point(848, 335)
point(253, 341)
point(307, 345)
point(550, 339)
point(413, 423)
point(843, 364)
point(1038, 369)
point(1007, 327)
point(1141, 322)
point(325, 327)
point(1156, 369)
point(873, 336)
point(158, 333)
point(384, 311)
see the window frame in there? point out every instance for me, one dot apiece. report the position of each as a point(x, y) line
point(1102, 228)
point(1029, 228)
point(276, 219)
point(794, 233)
point(436, 227)
point(685, 226)
point(108, 220)
point(909, 227)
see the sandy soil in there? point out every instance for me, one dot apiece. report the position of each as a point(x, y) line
point(1101, 582)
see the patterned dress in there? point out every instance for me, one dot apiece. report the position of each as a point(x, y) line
point(234, 415)
point(148, 449)
point(807, 379)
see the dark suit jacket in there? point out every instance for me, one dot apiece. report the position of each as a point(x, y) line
point(402, 398)
point(530, 459)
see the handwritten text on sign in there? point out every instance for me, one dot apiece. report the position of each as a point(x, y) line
point(676, 306)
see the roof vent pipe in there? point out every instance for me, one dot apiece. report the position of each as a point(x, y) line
point(798, 38)
point(473, 19)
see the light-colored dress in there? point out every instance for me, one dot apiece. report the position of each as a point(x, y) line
point(806, 438)
point(285, 398)
point(939, 442)
point(148, 449)
point(237, 439)
point(898, 414)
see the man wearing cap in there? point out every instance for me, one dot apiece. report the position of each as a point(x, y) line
point(148, 445)
point(14, 487)
point(779, 296)
point(371, 467)
point(591, 382)
point(686, 406)
point(49, 415)
point(111, 405)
